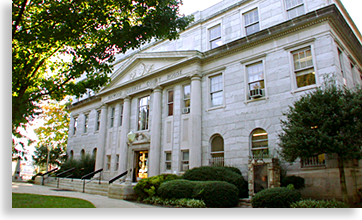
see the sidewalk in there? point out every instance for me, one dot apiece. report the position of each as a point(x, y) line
point(97, 200)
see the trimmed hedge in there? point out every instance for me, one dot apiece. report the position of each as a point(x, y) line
point(298, 182)
point(280, 197)
point(188, 203)
point(318, 204)
point(215, 194)
point(228, 174)
point(147, 187)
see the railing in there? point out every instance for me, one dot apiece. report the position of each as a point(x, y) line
point(117, 177)
point(65, 172)
point(318, 160)
point(91, 174)
point(217, 162)
point(47, 173)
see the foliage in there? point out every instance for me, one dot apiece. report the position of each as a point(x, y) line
point(214, 193)
point(147, 187)
point(56, 157)
point(83, 166)
point(227, 174)
point(327, 120)
point(20, 200)
point(184, 202)
point(318, 204)
point(56, 42)
point(297, 181)
point(279, 197)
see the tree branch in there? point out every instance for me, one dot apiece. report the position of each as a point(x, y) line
point(18, 20)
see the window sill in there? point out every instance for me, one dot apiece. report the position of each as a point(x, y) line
point(215, 108)
point(255, 100)
point(320, 167)
point(305, 88)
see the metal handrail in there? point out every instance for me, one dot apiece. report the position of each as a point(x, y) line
point(117, 177)
point(47, 173)
point(67, 171)
point(90, 174)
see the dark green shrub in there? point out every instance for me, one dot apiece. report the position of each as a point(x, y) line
point(318, 204)
point(298, 182)
point(280, 197)
point(184, 202)
point(217, 194)
point(147, 187)
point(227, 174)
point(213, 193)
point(83, 166)
point(177, 189)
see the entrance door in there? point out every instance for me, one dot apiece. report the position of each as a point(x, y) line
point(260, 177)
point(140, 166)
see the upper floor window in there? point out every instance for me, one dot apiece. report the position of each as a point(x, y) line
point(259, 143)
point(341, 63)
point(294, 8)
point(186, 99)
point(98, 120)
point(86, 123)
point(170, 103)
point(216, 90)
point(143, 113)
point(303, 67)
point(256, 83)
point(215, 36)
point(112, 116)
point(120, 115)
point(251, 19)
point(75, 125)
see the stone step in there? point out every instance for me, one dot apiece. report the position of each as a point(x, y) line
point(244, 203)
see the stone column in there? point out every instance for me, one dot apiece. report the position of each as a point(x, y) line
point(155, 145)
point(101, 139)
point(124, 131)
point(195, 117)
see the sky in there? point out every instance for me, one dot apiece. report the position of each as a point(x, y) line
point(190, 6)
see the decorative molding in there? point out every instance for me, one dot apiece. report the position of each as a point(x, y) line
point(252, 58)
point(300, 43)
point(141, 70)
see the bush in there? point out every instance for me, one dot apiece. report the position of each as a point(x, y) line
point(318, 204)
point(147, 187)
point(188, 203)
point(83, 166)
point(227, 174)
point(213, 193)
point(298, 182)
point(280, 197)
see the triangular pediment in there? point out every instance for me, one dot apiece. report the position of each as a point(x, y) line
point(145, 64)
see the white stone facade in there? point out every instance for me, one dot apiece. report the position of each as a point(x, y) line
point(222, 73)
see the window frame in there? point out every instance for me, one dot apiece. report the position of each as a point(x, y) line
point(113, 112)
point(247, 83)
point(298, 5)
point(168, 162)
point(184, 161)
point(108, 162)
point(75, 125)
point(86, 121)
point(211, 92)
point(146, 126)
point(246, 26)
point(215, 39)
point(98, 120)
point(170, 103)
point(120, 115)
point(259, 148)
point(185, 100)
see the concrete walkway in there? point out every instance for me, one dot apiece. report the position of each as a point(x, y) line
point(97, 200)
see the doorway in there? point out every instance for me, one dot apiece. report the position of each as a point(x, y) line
point(140, 165)
point(260, 177)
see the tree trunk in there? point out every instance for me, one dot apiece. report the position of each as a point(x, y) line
point(342, 179)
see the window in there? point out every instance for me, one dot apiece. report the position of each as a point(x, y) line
point(216, 90)
point(186, 99)
point(303, 67)
point(251, 19)
point(82, 153)
point(217, 151)
point(120, 115)
point(294, 8)
point(215, 36)
point(318, 160)
point(108, 165)
point(259, 143)
point(168, 160)
point(256, 83)
point(117, 163)
point(170, 102)
point(85, 123)
point(75, 126)
point(184, 160)
point(143, 113)
point(112, 117)
point(98, 120)
point(340, 56)
point(71, 154)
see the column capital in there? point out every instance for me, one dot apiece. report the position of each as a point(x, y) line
point(195, 75)
point(104, 106)
point(157, 88)
point(126, 98)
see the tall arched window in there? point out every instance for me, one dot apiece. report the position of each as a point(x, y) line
point(82, 153)
point(94, 153)
point(71, 154)
point(259, 143)
point(217, 151)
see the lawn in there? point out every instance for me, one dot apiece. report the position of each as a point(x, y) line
point(20, 200)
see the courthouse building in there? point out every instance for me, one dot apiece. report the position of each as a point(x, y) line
point(215, 96)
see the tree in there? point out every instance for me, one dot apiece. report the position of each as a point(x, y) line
point(327, 120)
point(45, 158)
point(56, 42)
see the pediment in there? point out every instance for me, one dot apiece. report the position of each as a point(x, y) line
point(144, 64)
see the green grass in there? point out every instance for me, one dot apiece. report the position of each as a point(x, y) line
point(20, 200)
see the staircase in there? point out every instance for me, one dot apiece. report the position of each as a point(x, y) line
point(77, 185)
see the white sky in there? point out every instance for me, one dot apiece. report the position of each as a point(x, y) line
point(190, 6)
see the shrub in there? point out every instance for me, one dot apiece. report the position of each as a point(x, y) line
point(188, 203)
point(147, 187)
point(298, 182)
point(228, 174)
point(280, 197)
point(318, 204)
point(213, 193)
point(83, 166)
